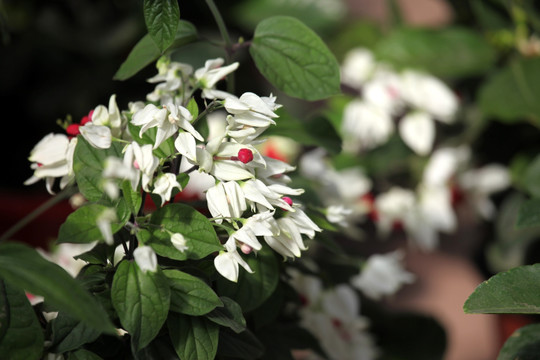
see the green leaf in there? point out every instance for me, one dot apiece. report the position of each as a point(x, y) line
point(529, 214)
point(82, 354)
point(511, 94)
point(88, 163)
point(201, 238)
point(449, 52)
point(69, 334)
point(510, 292)
point(295, 59)
point(161, 18)
point(190, 295)
point(133, 198)
point(21, 335)
point(230, 315)
point(531, 177)
point(193, 338)
point(523, 344)
point(245, 345)
point(141, 301)
point(81, 225)
point(252, 290)
point(23, 267)
point(146, 51)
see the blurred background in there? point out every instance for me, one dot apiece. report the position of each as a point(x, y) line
point(58, 59)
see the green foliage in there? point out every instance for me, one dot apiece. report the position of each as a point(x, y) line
point(146, 52)
point(523, 344)
point(23, 268)
point(449, 53)
point(136, 294)
point(183, 219)
point(193, 338)
point(21, 337)
point(508, 292)
point(294, 59)
point(510, 94)
point(161, 18)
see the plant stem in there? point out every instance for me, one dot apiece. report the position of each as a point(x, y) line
point(226, 38)
point(61, 196)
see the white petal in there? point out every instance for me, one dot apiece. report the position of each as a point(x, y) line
point(418, 131)
point(146, 258)
point(98, 136)
point(186, 145)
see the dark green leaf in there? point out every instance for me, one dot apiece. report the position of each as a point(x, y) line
point(21, 266)
point(82, 354)
point(69, 334)
point(252, 290)
point(141, 300)
point(194, 338)
point(509, 292)
point(229, 315)
point(81, 225)
point(531, 177)
point(523, 344)
point(295, 59)
point(22, 336)
point(88, 163)
point(146, 51)
point(245, 345)
point(161, 18)
point(190, 295)
point(198, 231)
point(449, 52)
point(512, 93)
point(529, 214)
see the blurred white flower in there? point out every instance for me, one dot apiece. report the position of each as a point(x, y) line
point(164, 185)
point(179, 242)
point(146, 259)
point(382, 275)
point(99, 136)
point(365, 126)
point(358, 65)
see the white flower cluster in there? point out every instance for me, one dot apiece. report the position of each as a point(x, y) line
point(249, 191)
point(333, 317)
point(423, 212)
point(416, 98)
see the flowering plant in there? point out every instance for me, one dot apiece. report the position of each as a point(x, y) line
point(214, 224)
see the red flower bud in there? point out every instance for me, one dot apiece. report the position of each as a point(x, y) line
point(288, 200)
point(245, 155)
point(73, 129)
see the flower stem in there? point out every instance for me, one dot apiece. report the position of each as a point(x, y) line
point(61, 196)
point(226, 38)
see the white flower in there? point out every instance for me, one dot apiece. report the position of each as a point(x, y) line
point(99, 136)
point(64, 255)
point(480, 183)
point(142, 159)
point(382, 275)
point(146, 259)
point(443, 164)
point(365, 126)
point(338, 214)
point(227, 262)
point(179, 242)
point(417, 130)
point(152, 116)
point(109, 117)
point(164, 185)
point(226, 201)
point(357, 67)
point(211, 73)
point(103, 223)
point(397, 205)
point(115, 168)
point(384, 90)
point(251, 110)
point(427, 93)
point(220, 158)
point(51, 158)
point(261, 224)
